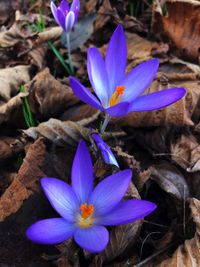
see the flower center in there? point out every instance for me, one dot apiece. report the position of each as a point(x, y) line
point(117, 95)
point(86, 219)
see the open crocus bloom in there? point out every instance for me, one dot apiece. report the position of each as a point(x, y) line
point(105, 150)
point(65, 16)
point(86, 211)
point(118, 93)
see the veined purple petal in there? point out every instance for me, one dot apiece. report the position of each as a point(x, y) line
point(82, 173)
point(54, 11)
point(115, 59)
point(64, 6)
point(127, 212)
point(61, 18)
point(98, 75)
point(75, 6)
point(106, 152)
point(69, 21)
point(139, 79)
point(120, 109)
point(108, 193)
point(84, 94)
point(93, 239)
point(157, 100)
point(62, 197)
point(50, 231)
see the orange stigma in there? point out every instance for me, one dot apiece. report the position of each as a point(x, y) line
point(117, 95)
point(86, 210)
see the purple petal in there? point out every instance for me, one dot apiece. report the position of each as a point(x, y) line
point(50, 231)
point(62, 197)
point(127, 212)
point(108, 193)
point(139, 79)
point(84, 94)
point(75, 6)
point(93, 239)
point(115, 59)
point(157, 100)
point(69, 21)
point(54, 11)
point(61, 18)
point(64, 6)
point(120, 109)
point(82, 173)
point(106, 152)
point(98, 75)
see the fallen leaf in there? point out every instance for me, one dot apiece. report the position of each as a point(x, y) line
point(187, 255)
point(48, 97)
point(175, 26)
point(25, 181)
point(59, 132)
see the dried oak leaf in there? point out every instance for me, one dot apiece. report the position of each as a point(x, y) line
point(59, 132)
point(180, 26)
point(11, 79)
point(187, 255)
point(186, 153)
point(48, 97)
point(25, 181)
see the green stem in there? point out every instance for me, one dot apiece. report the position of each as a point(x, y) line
point(51, 45)
point(69, 53)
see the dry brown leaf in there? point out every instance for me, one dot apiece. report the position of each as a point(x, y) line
point(51, 34)
point(186, 152)
point(180, 26)
point(187, 255)
point(59, 132)
point(48, 97)
point(37, 55)
point(25, 182)
point(11, 79)
point(7, 110)
point(8, 148)
point(104, 15)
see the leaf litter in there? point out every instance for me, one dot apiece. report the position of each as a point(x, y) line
point(161, 147)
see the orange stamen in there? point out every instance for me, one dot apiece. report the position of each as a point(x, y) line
point(86, 210)
point(117, 95)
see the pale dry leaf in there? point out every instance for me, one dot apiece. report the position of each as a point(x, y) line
point(49, 97)
point(59, 132)
point(11, 79)
point(51, 34)
point(180, 25)
point(38, 54)
point(8, 109)
point(186, 153)
point(25, 181)
point(187, 255)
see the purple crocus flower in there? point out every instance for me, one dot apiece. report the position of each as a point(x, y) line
point(65, 16)
point(106, 152)
point(117, 92)
point(86, 211)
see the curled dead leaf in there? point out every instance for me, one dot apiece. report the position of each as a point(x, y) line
point(59, 132)
point(25, 181)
